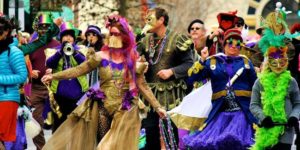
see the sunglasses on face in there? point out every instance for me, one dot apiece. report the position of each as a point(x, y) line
point(233, 42)
point(281, 62)
point(43, 27)
point(196, 28)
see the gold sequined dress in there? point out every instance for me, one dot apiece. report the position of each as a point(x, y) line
point(81, 129)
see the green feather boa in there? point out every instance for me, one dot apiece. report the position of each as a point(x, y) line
point(273, 102)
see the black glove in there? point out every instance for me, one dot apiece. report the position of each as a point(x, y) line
point(267, 122)
point(293, 122)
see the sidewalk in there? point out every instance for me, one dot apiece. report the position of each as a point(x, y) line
point(30, 145)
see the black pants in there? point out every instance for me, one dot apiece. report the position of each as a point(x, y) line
point(66, 106)
point(281, 146)
point(151, 124)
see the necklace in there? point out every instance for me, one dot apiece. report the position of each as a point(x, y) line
point(153, 47)
point(167, 134)
point(116, 72)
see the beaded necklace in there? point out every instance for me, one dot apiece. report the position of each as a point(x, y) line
point(152, 48)
point(116, 74)
point(168, 134)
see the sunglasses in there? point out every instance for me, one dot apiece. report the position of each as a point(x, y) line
point(237, 44)
point(196, 28)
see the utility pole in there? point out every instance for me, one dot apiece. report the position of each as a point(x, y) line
point(5, 7)
point(17, 10)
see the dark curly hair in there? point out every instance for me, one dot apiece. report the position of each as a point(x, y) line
point(8, 25)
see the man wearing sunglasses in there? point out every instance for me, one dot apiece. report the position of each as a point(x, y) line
point(197, 33)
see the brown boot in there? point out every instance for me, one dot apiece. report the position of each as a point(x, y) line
point(2, 146)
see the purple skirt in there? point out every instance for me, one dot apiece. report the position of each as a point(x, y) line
point(20, 143)
point(229, 130)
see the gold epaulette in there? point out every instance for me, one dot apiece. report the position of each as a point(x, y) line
point(246, 61)
point(197, 66)
point(183, 42)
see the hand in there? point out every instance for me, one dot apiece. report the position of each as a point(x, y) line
point(165, 74)
point(58, 21)
point(48, 71)
point(161, 112)
point(61, 51)
point(46, 79)
point(293, 122)
point(257, 70)
point(35, 74)
point(204, 53)
point(216, 32)
point(267, 122)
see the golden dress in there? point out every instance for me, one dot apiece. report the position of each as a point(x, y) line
point(80, 130)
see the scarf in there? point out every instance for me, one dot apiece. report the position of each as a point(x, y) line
point(273, 102)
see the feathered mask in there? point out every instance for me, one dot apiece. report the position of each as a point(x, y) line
point(277, 53)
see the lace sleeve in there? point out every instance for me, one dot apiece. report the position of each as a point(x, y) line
point(79, 70)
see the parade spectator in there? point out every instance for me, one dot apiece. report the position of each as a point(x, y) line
point(13, 73)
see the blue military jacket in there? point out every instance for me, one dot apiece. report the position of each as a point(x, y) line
point(220, 69)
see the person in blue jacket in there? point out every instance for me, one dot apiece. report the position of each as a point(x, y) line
point(12, 73)
point(229, 124)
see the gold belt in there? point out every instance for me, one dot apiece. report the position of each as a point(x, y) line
point(236, 92)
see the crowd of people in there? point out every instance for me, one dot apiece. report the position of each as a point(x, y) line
point(101, 92)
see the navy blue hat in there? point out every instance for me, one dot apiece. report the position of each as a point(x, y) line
point(94, 29)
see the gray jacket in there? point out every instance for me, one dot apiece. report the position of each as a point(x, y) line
point(292, 107)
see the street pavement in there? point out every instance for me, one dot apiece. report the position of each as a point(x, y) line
point(31, 146)
point(47, 133)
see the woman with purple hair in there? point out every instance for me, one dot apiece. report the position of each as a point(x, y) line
point(110, 114)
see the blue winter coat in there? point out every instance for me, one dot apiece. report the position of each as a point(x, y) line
point(13, 72)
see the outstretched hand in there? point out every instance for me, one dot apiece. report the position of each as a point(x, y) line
point(46, 79)
point(58, 21)
point(204, 53)
point(161, 112)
